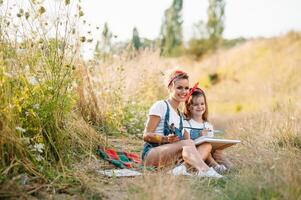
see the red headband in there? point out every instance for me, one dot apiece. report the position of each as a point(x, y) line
point(193, 89)
point(176, 74)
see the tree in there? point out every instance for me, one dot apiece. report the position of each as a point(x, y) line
point(136, 43)
point(103, 48)
point(208, 36)
point(215, 23)
point(106, 38)
point(171, 30)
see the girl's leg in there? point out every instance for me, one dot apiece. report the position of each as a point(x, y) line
point(221, 158)
point(166, 154)
point(210, 161)
point(204, 150)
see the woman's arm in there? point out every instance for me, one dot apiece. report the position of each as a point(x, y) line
point(186, 135)
point(150, 135)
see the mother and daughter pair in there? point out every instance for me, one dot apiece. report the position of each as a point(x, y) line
point(169, 138)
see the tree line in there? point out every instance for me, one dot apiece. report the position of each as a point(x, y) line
point(209, 34)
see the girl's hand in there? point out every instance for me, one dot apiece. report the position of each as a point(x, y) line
point(204, 132)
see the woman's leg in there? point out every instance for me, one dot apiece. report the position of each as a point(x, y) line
point(168, 153)
point(192, 157)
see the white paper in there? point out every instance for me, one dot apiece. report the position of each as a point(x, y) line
point(217, 143)
point(119, 172)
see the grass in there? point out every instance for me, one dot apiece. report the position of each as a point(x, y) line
point(37, 74)
point(264, 169)
point(55, 111)
point(268, 123)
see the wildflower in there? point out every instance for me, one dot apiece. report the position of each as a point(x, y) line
point(25, 140)
point(32, 80)
point(41, 10)
point(9, 75)
point(36, 106)
point(26, 15)
point(81, 13)
point(74, 84)
point(95, 79)
point(83, 39)
point(27, 68)
point(22, 130)
point(39, 158)
point(39, 147)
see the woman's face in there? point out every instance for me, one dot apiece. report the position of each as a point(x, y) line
point(198, 107)
point(179, 90)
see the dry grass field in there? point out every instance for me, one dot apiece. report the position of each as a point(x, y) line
point(255, 99)
point(56, 108)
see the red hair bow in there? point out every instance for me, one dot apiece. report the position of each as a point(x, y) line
point(195, 87)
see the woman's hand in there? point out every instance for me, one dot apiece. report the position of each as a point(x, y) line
point(171, 138)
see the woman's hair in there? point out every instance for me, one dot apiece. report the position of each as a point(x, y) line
point(176, 75)
point(189, 101)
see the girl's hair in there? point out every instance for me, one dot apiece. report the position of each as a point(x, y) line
point(176, 75)
point(189, 101)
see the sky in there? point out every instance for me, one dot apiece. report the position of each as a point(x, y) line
point(244, 18)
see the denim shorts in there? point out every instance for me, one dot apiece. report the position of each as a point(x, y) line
point(146, 148)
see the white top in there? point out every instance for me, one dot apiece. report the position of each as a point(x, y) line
point(159, 109)
point(195, 124)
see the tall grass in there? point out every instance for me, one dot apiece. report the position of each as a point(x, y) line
point(115, 94)
point(56, 108)
point(38, 50)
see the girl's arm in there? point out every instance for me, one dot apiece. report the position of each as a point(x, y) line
point(208, 130)
point(150, 135)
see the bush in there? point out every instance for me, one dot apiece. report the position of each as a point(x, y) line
point(198, 47)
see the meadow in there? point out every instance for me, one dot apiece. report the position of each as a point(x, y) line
point(56, 108)
point(255, 99)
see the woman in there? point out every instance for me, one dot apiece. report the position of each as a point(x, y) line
point(164, 139)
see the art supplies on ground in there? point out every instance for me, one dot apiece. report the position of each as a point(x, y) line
point(119, 173)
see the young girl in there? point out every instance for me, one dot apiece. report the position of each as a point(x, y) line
point(196, 124)
point(163, 134)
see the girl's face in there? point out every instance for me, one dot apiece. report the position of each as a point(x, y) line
point(198, 107)
point(179, 90)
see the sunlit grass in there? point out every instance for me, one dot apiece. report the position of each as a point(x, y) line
point(262, 100)
point(56, 108)
point(36, 88)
